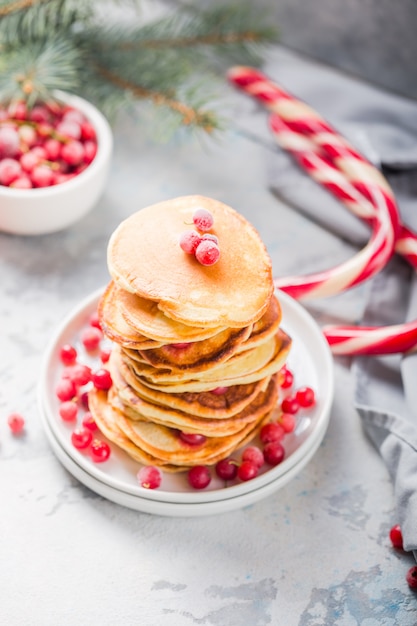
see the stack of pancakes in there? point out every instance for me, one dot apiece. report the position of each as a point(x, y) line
point(197, 349)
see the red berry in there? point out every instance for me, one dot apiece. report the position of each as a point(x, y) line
point(66, 390)
point(396, 536)
point(226, 469)
point(411, 577)
point(189, 241)
point(102, 379)
point(149, 477)
point(68, 354)
point(10, 169)
point(90, 151)
point(89, 422)
point(69, 128)
point(203, 219)
point(91, 337)
point(105, 355)
point(207, 252)
point(290, 404)
point(68, 411)
point(210, 237)
point(72, 152)
point(78, 373)
point(100, 451)
point(9, 141)
point(305, 397)
point(23, 182)
point(88, 132)
point(85, 400)
point(254, 455)
point(219, 391)
point(81, 438)
point(247, 470)
point(274, 453)
point(286, 378)
point(193, 439)
point(199, 477)
point(39, 113)
point(287, 421)
point(16, 423)
point(53, 149)
point(42, 176)
point(29, 160)
point(271, 432)
point(95, 320)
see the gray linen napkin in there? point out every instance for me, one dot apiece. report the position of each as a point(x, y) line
point(383, 127)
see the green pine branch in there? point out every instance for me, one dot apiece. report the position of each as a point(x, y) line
point(171, 62)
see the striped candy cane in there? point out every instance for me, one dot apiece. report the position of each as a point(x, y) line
point(335, 164)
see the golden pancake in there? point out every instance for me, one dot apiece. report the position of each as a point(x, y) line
point(197, 356)
point(165, 444)
point(145, 317)
point(104, 415)
point(197, 385)
point(137, 409)
point(115, 326)
point(265, 327)
point(145, 258)
point(228, 401)
point(240, 364)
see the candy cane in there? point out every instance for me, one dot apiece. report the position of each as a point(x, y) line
point(335, 164)
point(303, 120)
point(369, 340)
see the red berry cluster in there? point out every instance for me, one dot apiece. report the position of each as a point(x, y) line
point(205, 247)
point(72, 389)
point(396, 537)
point(271, 450)
point(43, 146)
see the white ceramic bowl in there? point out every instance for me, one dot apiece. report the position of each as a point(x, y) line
point(50, 209)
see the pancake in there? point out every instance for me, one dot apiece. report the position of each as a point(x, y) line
point(139, 409)
point(144, 258)
point(197, 385)
point(165, 444)
point(145, 317)
point(105, 417)
point(115, 326)
point(197, 356)
point(265, 327)
point(238, 365)
point(228, 402)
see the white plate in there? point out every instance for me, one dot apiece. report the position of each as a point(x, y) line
point(310, 360)
point(174, 509)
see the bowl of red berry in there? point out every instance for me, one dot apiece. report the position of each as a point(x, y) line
point(54, 160)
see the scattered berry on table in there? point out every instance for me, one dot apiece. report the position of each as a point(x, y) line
point(66, 389)
point(411, 577)
point(16, 423)
point(396, 537)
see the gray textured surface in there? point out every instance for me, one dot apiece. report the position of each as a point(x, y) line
point(373, 39)
point(316, 553)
